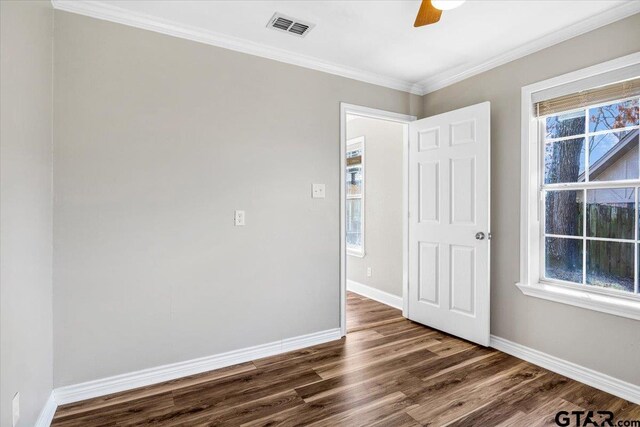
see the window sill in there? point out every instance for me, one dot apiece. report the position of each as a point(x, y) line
point(355, 254)
point(617, 306)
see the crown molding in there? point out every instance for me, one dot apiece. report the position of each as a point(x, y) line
point(107, 12)
point(100, 10)
point(457, 74)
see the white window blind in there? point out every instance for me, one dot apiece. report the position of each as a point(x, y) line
point(616, 91)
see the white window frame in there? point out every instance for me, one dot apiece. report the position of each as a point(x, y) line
point(531, 281)
point(359, 252)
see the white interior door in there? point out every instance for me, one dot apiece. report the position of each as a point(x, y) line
point(449, 176)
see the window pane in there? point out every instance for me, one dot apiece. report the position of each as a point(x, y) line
point(563, 259)
point(613, 156)
point(610, 265)
point(355, 153)
point(614, 116)
point(354, 223)
point(354, 181)
point(563, 213)
point(566, 124)
point(611, 213)
point(564, 161)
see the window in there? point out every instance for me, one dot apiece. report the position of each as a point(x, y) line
point(591, 171)
point(580, 236)
point(355, 196)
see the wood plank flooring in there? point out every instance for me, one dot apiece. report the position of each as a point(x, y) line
point(388, 371)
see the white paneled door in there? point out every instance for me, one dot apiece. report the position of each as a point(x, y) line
point(449, 173)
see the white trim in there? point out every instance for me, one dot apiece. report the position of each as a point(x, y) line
point(383, 115)
point(354, 253)
point(530, 204)
point(594, 70)
point(158, 374)
point(108, 12)
point(464, 71)
point(616, 305)
point(356, 140)
point(47, 413)
point(375, 294)
point(374, 113)
point(571, 370)
point(405, 222)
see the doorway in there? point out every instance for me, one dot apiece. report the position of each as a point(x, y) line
point(445, 241)
point(373, 208)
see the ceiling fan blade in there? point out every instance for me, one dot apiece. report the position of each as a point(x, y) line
point(427, 14)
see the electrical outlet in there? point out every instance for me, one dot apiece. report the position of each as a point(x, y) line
point(239, 218)
point(318, 191)
point(368, 271)
point(15, 409)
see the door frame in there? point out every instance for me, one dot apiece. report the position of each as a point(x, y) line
point(404, 119)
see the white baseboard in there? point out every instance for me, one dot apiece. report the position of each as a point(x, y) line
point(47, 413)
point(375, 294)
point(145, 377)
point(571, 370)
point(104, 386)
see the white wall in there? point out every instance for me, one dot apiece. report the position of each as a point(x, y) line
point(26, 349)
point(383, 205)
point(599, 341)
point(157, 140)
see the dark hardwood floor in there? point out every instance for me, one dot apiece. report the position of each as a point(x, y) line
point(387, 372)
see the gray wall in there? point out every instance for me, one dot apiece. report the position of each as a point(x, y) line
point(26, 37)
point(157, 140)
point(383, 205)
point(603, 342)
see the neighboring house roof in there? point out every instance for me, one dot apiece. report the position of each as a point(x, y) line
point(613, 155)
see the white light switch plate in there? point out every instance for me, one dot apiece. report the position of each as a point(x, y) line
point(15, 409)
point(239, 218)
point(318, 191)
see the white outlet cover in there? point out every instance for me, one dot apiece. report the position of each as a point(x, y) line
point(15, 409)
point(318, 191)
point(239, 218)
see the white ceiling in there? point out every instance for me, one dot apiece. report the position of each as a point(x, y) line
point(373, 41)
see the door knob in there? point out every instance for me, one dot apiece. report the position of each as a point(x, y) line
point(479, 235)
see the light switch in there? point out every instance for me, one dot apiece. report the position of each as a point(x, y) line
point(239, 218)
point(317, 191)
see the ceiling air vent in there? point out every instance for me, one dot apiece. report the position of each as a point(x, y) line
point(293, 26)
